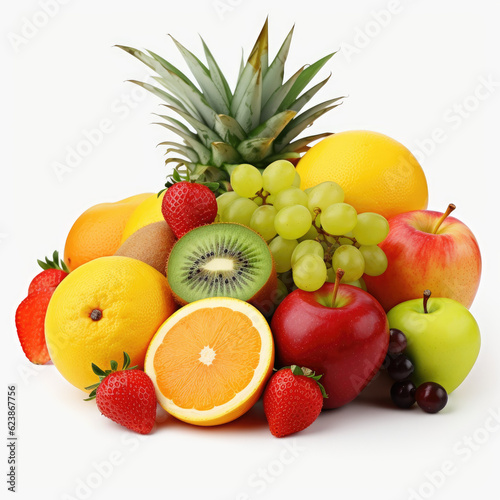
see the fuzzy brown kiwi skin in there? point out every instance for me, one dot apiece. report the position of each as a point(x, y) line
point(134, 246)
point(264, 300)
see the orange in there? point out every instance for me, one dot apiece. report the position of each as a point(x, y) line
point(106, 307)
point(377, 173)
point(210, 360)
point(98, 231)
point(147, 212)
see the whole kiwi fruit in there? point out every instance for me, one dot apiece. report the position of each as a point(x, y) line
point(150, 244)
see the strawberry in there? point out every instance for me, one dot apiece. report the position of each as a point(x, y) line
point(30, 315)
point(54, 271)
point(292, 400)
point(125, 396)
point(187, 205)
point(30, 321)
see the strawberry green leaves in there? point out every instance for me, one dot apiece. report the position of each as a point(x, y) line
point(55, 263)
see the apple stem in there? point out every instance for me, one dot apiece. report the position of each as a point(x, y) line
point(450, 209)
point(427, 294)
point(338, 277)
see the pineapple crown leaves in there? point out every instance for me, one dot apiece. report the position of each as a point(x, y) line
point(55, 263)
point(254, 124)
point(102, 374)
point(307, 372)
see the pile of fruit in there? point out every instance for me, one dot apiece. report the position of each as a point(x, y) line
point(267, 267)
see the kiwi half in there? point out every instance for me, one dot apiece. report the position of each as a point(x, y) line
point(222, 260)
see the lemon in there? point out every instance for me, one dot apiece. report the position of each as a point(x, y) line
point(106, 307)
point(146, 213)
point(377, 173)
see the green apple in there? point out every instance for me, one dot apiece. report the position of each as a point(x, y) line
point(443, 339)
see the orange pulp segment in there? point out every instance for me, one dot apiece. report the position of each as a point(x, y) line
point(209, 362)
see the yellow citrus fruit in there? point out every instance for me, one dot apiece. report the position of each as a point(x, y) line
point(377, 173)
point(210, 360)
point(98, 231)
point(148, 212)
point(106, 307)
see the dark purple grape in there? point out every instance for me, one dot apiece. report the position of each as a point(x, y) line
point(403, 393)
point(397, 341)
point(400, 367)
point(431, 397)
point(386, 362)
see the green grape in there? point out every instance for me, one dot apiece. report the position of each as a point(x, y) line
point(282, 289)
point(371, 229)
point(240, 210)
point(297, 180)
point(310, 235)
point(281, 293)
point(277, 297)
point(282, 252)
point(270, 199)
point(278, 176)
point(305, 248)
point(287, 279)
point(325, 194)
point(293, 222)
point(375, 259)
point(246, 180)
point(330, 275)
point(339, 218)
point(289, 197)
point(356, 283)
point(350, 260)
point(309, 272)
point(262, 221)
point(361, 281)
point(225, 199)
point(345, 240)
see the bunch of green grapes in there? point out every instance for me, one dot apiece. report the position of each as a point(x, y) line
point(311, 233)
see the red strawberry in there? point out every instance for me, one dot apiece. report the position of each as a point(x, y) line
point(292, 400)
point(54, 271)
point(30, 320)
point(30, 315)
point(48, 279)
point(126, 396)
point(187, 205)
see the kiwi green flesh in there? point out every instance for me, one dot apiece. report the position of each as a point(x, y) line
point(219, 260)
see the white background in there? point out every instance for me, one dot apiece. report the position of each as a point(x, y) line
point(406, 79)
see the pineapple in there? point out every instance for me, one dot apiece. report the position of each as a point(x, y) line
point(255, 124)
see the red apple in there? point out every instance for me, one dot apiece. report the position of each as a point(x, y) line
point(427, 250)
point(339, 331)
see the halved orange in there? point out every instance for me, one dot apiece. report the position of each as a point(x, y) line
point(210, 360)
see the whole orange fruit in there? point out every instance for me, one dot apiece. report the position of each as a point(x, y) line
point(108, 306)
point(377, 173)
point(98, 231)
